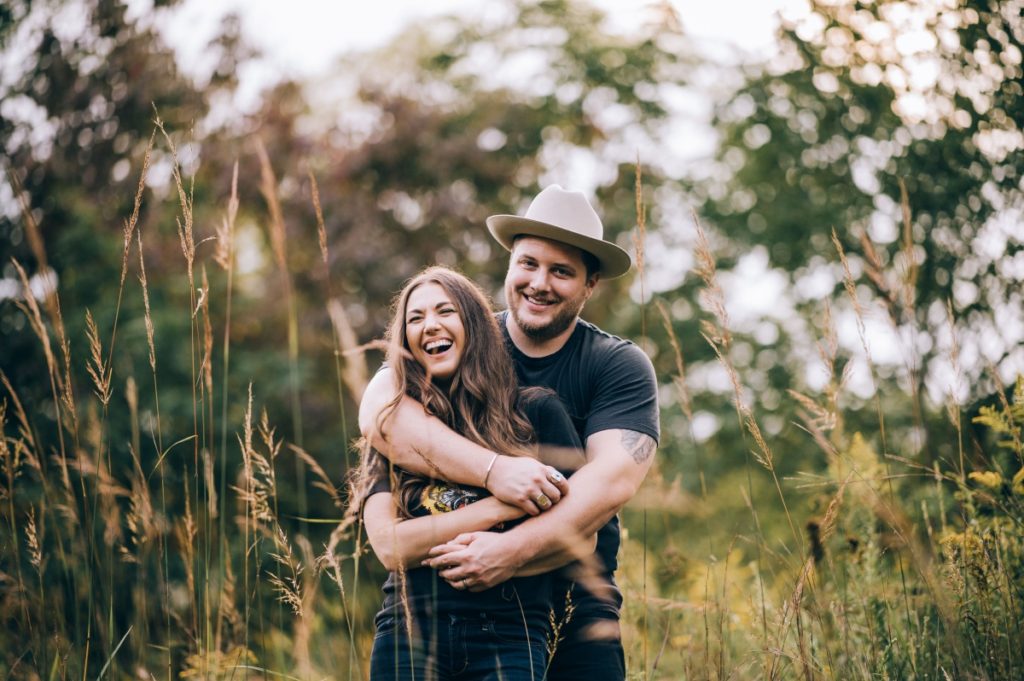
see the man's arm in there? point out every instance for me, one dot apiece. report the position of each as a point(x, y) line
point(421, 443)
point(617, 462)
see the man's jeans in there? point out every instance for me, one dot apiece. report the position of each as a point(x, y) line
point(466, 647)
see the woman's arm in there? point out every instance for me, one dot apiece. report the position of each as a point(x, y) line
point(405, 543)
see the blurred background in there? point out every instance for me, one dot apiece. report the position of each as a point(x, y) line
point(206, 201)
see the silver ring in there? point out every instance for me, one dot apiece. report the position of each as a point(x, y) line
point(555, 476)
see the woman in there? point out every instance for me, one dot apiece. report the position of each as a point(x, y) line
point(447, 352)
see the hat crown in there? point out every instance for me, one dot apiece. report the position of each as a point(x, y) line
point(566, 209)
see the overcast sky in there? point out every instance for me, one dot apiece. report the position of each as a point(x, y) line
point(303, 37)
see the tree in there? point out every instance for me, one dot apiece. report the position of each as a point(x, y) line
point(863, 100)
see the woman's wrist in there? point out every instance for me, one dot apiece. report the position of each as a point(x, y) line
point(490, 468)
point(500, 512)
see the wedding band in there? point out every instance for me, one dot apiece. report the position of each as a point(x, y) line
point(543, 501)
point(555, 476)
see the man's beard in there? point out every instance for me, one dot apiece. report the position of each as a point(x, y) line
point(557, 324)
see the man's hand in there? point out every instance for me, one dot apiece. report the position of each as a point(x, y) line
point(474, 561)
point(526, 483)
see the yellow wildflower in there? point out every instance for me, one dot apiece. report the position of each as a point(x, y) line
point(989, 479)
point(1018, 482)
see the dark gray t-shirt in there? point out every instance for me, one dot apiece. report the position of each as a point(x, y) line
point(605, 383)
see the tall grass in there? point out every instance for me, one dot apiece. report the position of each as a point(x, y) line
point(139, 545)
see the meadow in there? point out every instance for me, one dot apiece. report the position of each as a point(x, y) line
point(196, 542)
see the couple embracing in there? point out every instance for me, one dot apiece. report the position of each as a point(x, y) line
point(500, 449)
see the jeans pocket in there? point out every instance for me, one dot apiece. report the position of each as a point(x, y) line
point(512, 632)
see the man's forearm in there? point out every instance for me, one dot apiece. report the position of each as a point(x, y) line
point(595, 498)
point(619, 461)
point(422, 444)
point(571, 549)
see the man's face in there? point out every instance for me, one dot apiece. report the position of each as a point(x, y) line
point(546, 286)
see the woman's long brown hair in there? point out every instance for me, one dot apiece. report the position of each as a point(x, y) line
point(480, 401)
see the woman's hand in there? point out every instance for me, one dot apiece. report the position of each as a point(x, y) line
point(526, 483)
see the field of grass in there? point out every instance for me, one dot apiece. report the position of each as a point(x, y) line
point(133, 545)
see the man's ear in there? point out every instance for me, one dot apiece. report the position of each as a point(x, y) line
point(592, 282)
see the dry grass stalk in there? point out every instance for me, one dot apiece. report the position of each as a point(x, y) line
point(910, 267)
point(145, 300)
point(640, 236)
point(355, 374)
point(24, 429)
point(211, 491)
point(257, 473)
point(310, 582)
point(100, 372)
point(268, 188)
point(185, 232)
point(289, 588)
point(32, 233)
point(35, 553)
point(953, 404)
point(792, 607)
point(206, 364)
point(141, 516)
point(324, 482)
point(229, 618)
point(131, 397)
point(11, 459)
point(51, 300)
point(321, 229)
point(1008, 411)
point(876, 273)
point(851, 291)
point(679, 380)
point(711, 296)
point(224, 251)
point(330, 560)
point(27, 304)
point(130, 223)
point(185, 531)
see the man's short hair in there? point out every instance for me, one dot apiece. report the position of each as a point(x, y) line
point(591, 262)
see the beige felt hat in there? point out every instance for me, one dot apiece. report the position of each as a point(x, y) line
point(567, 217)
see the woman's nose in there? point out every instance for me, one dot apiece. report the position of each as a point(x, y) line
point(430, 323)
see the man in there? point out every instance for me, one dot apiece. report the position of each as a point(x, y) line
point(558, 254)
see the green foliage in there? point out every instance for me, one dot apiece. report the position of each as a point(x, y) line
point(830, 134)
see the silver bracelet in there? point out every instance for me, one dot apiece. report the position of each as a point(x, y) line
point(490, 466)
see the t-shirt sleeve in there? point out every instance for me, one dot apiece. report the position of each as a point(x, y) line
point(625, 393)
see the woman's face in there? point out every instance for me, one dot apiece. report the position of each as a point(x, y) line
point(434, 330)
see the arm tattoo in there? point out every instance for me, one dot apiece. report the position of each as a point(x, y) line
point(639, 446)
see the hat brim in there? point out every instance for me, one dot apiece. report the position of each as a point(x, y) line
point(614, 261)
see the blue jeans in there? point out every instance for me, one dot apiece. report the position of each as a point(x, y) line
point(466, 647)
point(590, 649)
